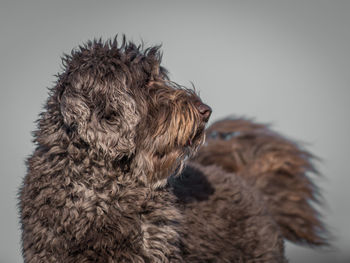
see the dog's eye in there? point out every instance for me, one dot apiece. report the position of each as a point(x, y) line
point(224, 136)
point(213, 135)
point(229, 136)
point(110, 118)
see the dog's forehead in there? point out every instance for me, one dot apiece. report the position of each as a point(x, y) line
point(114, 58)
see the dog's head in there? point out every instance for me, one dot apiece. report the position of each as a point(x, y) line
point(117, 102)
point(172, 129)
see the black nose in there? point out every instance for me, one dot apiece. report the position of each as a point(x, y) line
point(204, 110)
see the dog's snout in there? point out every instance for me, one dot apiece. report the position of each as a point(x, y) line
point(204, 110)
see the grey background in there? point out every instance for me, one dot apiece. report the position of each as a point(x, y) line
point(283, 62)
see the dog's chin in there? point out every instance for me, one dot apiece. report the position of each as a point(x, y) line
point(188, 151)
point(175, 159)
point(194, 142)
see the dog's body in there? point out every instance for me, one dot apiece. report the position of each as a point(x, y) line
point(225, 219)
point(276, 167)
point(103, 184)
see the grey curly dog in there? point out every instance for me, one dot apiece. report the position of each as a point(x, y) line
point(108, 181)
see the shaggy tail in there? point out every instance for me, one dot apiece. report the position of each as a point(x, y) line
point(277, 167)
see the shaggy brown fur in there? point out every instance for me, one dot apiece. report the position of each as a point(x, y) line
point(275, 166)
point(103, 184)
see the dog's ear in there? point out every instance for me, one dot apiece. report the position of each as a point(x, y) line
point(102, 114)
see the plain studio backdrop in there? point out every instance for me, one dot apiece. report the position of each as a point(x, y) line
point(281, 62)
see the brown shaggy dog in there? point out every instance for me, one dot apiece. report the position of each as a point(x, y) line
point(276, 167)
point(103, 184)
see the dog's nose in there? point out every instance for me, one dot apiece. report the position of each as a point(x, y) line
point(204, 110)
